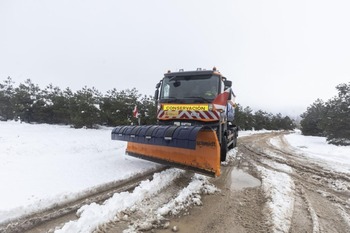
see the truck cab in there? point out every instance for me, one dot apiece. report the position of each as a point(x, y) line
point(186, 97)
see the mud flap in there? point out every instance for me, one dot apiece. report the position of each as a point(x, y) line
point(188, 147)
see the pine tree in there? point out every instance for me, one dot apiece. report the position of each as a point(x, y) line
point(117, 106)
point(262, 120)
point(337, 117)
point(56, 105)
point(25, 97)
point(244, 117)
point(6, 100)
point(276, 122)
point(287, 124)
point(313, 119)
point(148, 110)
point(85, 108)
point(111, 108)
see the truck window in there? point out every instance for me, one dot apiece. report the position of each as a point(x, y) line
point(184, 87)
point(166, 90)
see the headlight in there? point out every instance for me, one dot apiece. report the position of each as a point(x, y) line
point(210, 107)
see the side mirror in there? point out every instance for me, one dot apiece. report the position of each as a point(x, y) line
point(156, 94)
point(227, 83)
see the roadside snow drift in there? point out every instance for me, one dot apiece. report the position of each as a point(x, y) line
point(42, 165)
point(279, 190)
point(91, 216)
point(336, 157)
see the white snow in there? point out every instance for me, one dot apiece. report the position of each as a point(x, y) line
point(279, 187)
point(245, 133)
point(317, 149)
point(278, 166)
point(91, 216)
point(42, 165)
point(189, 196)
point(343, 213)
point(279, 190)
point(155, 211)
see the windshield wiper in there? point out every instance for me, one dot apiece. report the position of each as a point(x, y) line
point(199, 97)
point(172, 78)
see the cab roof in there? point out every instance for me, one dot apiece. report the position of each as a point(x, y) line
point(193, 73)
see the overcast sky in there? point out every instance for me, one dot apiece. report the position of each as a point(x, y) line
point(280, 55)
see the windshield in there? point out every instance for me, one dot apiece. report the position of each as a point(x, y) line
point(203, 87)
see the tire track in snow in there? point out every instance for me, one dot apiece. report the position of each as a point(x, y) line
point(325, 191)
point(45, 218)
point(279, 190)
point(93, 215)
point(142, 216)
point(344, 215)
point(152, 212)
point(312, 212)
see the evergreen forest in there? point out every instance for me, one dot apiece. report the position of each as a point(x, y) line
point(330, 119)
point(88, 107)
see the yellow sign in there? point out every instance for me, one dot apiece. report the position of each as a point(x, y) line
point(186, 107)
point(172, 113)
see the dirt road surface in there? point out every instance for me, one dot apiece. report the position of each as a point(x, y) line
point(263, 188)
point(315, 199)
point(321, 196)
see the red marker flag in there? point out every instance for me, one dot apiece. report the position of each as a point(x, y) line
point(135, 112)
point(220, 101)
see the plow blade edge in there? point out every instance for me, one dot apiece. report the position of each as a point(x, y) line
point(188, 147)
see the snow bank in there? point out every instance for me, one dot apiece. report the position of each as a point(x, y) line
point(336, 157)
point(279, 166)
point(156, 215)
point(279, 191)
point(42, 165)
point(244, 133)
point(93, 215)
point(189, 196)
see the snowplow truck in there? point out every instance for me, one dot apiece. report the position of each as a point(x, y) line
point(195, 123)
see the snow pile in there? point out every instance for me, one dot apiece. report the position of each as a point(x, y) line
point(244, 133)
point(336, 157)
point(189, 196)
point(45, 165)
point(339, 185)
point(156, 213)
point(93, 215)
point(231, 156)
point(279, 166)
point(279, 190)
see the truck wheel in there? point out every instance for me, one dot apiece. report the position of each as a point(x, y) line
point(223, 149)
point(233, 145)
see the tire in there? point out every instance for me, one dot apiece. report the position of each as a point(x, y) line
point(223, 149)
point(233, 145)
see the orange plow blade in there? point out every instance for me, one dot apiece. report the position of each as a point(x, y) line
point(205, 158)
